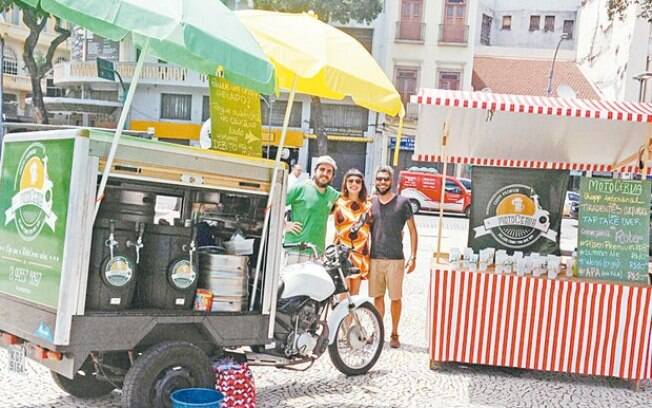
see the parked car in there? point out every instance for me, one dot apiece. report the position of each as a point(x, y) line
point(572, 204)
point(423, 189)
point(466, 182)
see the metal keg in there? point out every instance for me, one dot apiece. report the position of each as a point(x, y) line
point(128, 205)
point(224, 275)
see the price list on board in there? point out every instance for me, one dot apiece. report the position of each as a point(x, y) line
point(614, 223)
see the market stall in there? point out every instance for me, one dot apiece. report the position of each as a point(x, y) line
point(527, 310)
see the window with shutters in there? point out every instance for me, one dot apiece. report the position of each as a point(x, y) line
point(406, 82)
point(450, 80)
point(277, 114)
point(569, 26)
point(535, 23)
point(549, 24)
point(176, 106)
point(507, 23)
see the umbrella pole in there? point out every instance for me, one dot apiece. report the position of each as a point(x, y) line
point(397, 148)
point(121, 124)
point(444, 142)
point(277, 162)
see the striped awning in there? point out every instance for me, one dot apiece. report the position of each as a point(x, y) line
point(490, 129)
point(579, 108)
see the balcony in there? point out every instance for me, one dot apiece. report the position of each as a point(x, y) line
point(407, 31)
point(17, 83)
point(78, 72)
point(453, 34)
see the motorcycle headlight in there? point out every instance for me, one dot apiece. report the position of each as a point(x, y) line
point(118, 271)
point(181, 274)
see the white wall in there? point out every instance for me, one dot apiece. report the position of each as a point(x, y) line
point(147, 102)
point(611, 53)
point(520, 11)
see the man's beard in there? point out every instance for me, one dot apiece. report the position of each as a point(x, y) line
point(320, 184)
point(384, 191)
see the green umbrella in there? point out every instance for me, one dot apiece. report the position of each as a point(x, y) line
point(203, 35)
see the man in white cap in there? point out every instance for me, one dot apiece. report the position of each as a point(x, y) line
point(310, 204)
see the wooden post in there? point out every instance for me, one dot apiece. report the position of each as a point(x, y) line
point(444, 143)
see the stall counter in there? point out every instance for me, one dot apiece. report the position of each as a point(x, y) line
point(562, 325)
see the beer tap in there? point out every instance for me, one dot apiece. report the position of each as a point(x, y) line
point(139, 242)
point(111, 242)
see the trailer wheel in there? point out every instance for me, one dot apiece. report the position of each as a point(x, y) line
point(161, 370)
point(84, 384)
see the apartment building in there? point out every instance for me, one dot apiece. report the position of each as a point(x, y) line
point(17, 86)
point(423, 43)
point(531, 24)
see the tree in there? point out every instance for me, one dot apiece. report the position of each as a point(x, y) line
point(618, 8)
point(341, 11)
point(37, 65)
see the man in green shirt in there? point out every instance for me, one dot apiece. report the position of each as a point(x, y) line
point(311, 203)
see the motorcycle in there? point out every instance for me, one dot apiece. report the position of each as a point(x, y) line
point(315, 313)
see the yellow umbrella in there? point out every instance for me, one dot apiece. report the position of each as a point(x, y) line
point(316, 59)
point(323, 60)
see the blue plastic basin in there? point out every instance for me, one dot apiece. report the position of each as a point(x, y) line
point(197, 398)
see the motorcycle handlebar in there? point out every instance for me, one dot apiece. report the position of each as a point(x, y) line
point(303, 245)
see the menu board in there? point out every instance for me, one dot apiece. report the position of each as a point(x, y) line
point(235, 119)
point(614, 224)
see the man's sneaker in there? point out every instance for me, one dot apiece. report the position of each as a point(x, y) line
point(393, 341)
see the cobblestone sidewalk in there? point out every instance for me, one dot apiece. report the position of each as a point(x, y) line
point(401, 378)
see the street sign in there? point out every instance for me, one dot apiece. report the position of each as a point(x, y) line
point(407, 143)
point(105, 69)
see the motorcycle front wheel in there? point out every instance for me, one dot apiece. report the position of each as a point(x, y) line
point(358, 341)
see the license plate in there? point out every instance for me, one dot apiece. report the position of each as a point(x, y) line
point(17, 359)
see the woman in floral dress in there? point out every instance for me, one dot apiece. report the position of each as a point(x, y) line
point(352, 204)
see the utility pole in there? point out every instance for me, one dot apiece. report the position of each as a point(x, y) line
point(563, 37)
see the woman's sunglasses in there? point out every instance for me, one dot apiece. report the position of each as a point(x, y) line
point(354, 180)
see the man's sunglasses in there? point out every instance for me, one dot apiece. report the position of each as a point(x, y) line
point(382, 179)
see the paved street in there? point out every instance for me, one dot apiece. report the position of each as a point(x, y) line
point(400, 379)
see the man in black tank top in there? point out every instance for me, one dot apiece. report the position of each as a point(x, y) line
point(389, 214)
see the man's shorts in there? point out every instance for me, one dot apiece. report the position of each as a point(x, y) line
point(386, 274)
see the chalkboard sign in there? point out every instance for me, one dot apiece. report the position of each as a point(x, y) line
point(235, 119)
point(614, 222)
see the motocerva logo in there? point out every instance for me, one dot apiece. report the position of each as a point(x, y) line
point(31, 204)
point(514, 217)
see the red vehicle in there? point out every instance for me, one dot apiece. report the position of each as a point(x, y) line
point(422, 187)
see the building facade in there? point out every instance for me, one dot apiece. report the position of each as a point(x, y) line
point(527, 23)
point(17, 86)
point(615, 53)
point(422, 44)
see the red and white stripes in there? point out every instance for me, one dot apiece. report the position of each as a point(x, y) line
point(526, 164)
point(571, 107)
point(570, 326)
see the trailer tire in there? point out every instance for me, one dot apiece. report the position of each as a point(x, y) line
point(84, 384)
point(161, 370)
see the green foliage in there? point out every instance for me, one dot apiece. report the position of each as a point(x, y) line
point(341, 11)
point(618, 8)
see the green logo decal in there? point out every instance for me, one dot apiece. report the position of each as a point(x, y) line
point(31, 205)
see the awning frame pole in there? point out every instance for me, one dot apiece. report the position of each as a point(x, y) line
point(121, 125)
point(444, 143)
point(277, 162)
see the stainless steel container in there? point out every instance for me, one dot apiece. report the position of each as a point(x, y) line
point(128, 205)
point(229, 303)
point(224, 275)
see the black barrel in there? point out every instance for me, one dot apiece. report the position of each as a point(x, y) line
point(167, 279)
point(112, 279)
